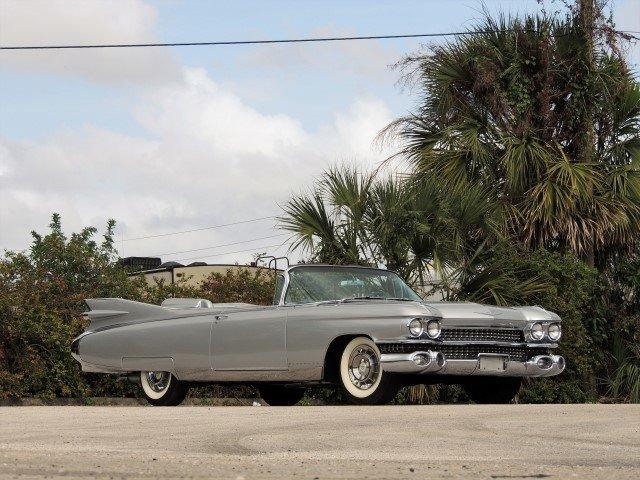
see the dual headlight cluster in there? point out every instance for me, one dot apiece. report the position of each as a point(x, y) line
point(538, 330)
point(430, 326)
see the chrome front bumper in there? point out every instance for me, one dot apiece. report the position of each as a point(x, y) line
point(415, 362)
point(539, 366)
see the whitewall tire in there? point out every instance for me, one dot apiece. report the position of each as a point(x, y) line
point(162, 388)
point(361, 376)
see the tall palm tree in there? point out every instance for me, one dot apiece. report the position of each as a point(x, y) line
point(502, 109)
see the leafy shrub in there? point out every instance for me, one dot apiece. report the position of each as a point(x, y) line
point(239, 285)
point(42, 296)
point(42, 293)
point(577, 293)
point(624, 377)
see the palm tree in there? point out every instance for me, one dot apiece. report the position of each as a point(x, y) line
point(502, 110)
point(410, 226)
point(329, 222)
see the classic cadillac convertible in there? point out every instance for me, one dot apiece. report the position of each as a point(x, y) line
point(362, 330)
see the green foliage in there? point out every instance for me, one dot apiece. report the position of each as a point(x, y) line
point(623, 373)
point(576, 292)
point(42, 296)
point(563, 284)
point(624, 379)
point(551, 138)
point(239, 286)
point(42, 293)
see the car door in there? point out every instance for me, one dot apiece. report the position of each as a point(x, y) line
point(250, 340)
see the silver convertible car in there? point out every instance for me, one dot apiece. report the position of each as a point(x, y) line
point(362, 330)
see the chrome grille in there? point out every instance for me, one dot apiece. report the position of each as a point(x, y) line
point(465, 352)
point(469, 352)
point(482, 334)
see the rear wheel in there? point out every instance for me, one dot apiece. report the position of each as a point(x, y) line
point(162, 389)
point(361, 377)
point(280, 396)
point(493, 389)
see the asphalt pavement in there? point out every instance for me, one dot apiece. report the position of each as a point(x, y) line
point(445, 441)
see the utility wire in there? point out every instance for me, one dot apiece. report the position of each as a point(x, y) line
point(219, 246)
point(234, 42)
point(199, 229)
point(254, 249)
point(259, 42)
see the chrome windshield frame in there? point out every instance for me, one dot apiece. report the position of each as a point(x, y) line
point(287, 281)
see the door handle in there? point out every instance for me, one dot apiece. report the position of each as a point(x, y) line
point(219, 318)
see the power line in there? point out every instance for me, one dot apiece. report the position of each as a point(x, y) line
point(233, 42)
point(254, 249)
point(261, 42)
point(218, 246)
point(198, 229)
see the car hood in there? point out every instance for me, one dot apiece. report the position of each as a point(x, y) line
point(475, 314)
point(453, 314)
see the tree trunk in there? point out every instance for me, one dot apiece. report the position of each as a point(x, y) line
point(587, 29)
point(586, 144)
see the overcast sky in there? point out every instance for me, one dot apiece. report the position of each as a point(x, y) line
point(164, 140)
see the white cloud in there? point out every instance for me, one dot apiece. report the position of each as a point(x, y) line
point(59, 22)
point(207, 158)
point(371, 58)
point(217, 119)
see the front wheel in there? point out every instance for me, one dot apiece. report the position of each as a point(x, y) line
point(493, 389)
point(162, 389)
point(361, 377)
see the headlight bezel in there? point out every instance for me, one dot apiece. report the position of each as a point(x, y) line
point(431, 328)
point(538, 331)
point(438, 326)
point(555, 337)
point(535, 333)
point(413, 330)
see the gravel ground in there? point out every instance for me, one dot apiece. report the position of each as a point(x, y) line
point(448, 441)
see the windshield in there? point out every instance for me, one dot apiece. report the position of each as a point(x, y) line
point(321, 284)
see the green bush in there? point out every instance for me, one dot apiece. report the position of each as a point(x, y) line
point(42, 296)
point(596, 308)
point(42, 293)
point(578, 296)
point(239, 286)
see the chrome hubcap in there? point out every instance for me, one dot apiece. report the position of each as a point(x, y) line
point(158, 381)
point(364, 367)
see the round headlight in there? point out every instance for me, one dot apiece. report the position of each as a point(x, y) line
point(554, 332)
point(537, 331)
point(433, 329)
point(415, 327)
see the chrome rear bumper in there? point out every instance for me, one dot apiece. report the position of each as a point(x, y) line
point(539, 366)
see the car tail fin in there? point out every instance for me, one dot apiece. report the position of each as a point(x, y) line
point(104, 312)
